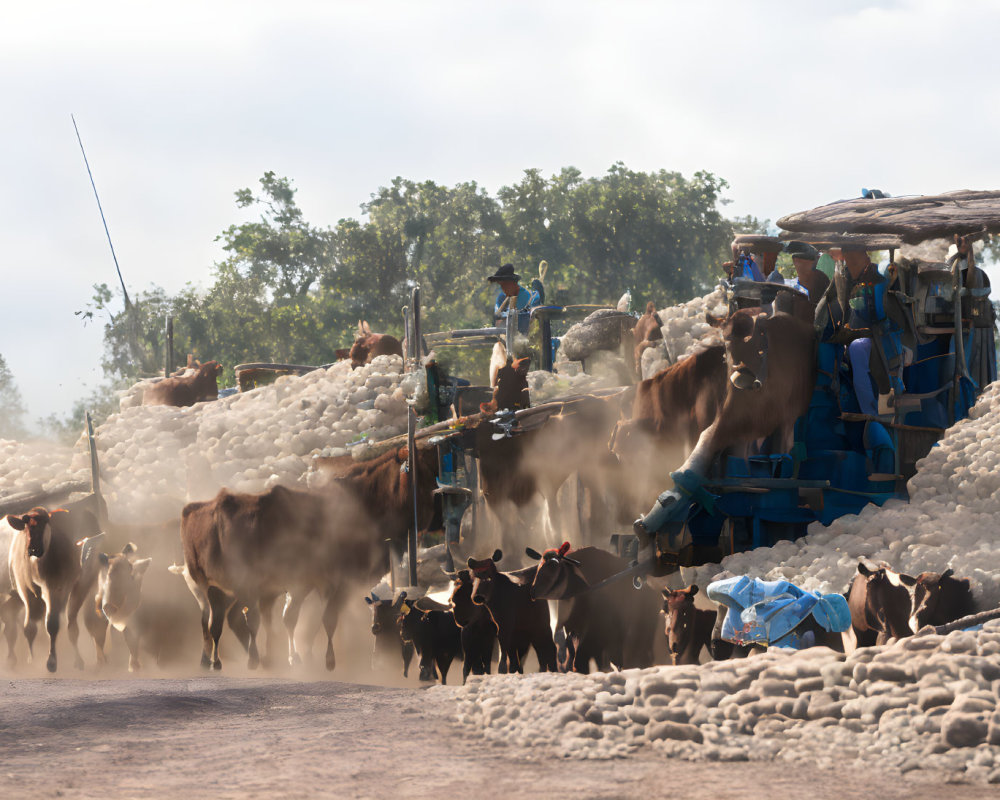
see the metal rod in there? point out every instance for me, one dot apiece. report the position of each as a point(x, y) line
point(168, 366)
point(511, 324)
point(411, 460)
point(415, 321)
point(96, 197)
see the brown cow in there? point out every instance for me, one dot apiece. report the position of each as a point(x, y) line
point(381, 486)
point(251, 548)
point(615, 624)
point(646, 331)
point(388, 641)
point(46, 572)
point(520, 620)
point(479, 631)
point(185, 391)
point(510, 390)
point(880, 603)
point(772, 368)
point(687, 627)
point(940, 598)
point(119, 595)
point(368, 345)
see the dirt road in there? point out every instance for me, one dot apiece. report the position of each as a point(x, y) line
point(231, 737)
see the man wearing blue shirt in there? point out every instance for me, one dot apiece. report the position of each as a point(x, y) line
point(510, 288)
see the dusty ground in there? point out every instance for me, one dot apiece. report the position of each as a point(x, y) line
point(236, 737)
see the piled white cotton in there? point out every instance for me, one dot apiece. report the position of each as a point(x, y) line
point(156, 458)
point(568, 381)
point(927, 702)
point(684, 329)
point(950, 521)
point(39, 466)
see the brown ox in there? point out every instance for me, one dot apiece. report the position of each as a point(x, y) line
point(880, 603)
point(940, 598)
point(688, 628)
point(646, 331)
point(251, 548)
point(119, 595)
point(520, 620)
point(510, 387)
point(614, 624)
point(367, 345)
point(381, 486)
point(479, 631)
point(185, 391)
point(45, 570)
point(772, 368)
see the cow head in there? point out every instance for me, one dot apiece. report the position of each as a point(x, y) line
point(364, 339)
point(385, 613)
point(35, 524)
point(888, 600)
point(462, 605)
point(939, 597)
point(484, 574)
point(120, 585)
point(744, 333)
point(511, 388)
point(210, 370)
point(679, 614)
point(557, 576)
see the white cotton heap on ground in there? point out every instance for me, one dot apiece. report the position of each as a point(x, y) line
point(154, 459)
point(684, 330)
point(926, 702)
point(950, 521)
point(39, 467)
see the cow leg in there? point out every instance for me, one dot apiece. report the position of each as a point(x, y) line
point(8, 617)
point(97, 627)
point(251, 611)
point(54, 606)
point(331, 615)
point(132, 640)
point(290, 618)
point(77, 596)
point(545, 649)
point(238, 624)
point(219, 604)
point(407, 657)
point(266, 606)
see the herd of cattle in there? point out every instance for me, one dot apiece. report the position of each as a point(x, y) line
point(243, 552)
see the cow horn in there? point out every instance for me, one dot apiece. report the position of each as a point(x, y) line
point(569, 560)
point(532, 553)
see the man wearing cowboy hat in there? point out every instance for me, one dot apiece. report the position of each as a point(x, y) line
point(807, 278)
point(512, 294)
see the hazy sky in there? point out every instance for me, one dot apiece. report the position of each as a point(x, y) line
point(794, 103)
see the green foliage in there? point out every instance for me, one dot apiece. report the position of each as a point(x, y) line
point(289, 292)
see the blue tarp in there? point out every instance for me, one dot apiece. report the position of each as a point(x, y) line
point(768, 612)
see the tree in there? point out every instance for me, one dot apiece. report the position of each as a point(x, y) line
point(12, 408)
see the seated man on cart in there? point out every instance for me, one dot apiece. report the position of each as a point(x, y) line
point(512, 293)
point(858, 312)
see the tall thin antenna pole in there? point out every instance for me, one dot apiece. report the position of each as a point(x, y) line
point(106, 231)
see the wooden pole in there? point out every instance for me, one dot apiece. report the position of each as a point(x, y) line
point(168, 366)
point(411, 433)
point(95, 471)
point(411, 463)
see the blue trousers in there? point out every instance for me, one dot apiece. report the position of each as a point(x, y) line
point(859, 353)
